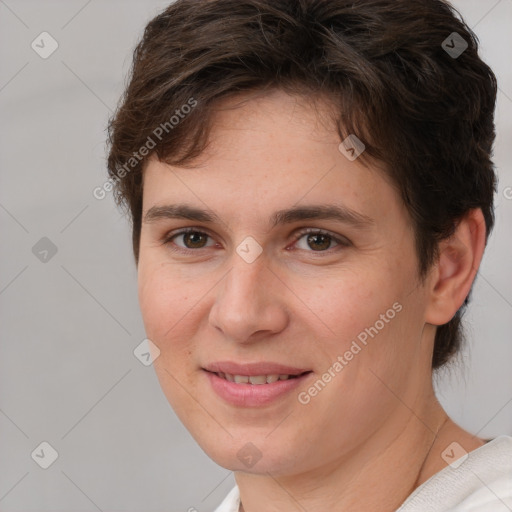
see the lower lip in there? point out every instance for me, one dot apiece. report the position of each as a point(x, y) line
point(253, 395)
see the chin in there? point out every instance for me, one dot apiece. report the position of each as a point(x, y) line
point(256, 456)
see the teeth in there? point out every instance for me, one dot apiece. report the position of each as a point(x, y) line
point(258, 379)
point(253, 379)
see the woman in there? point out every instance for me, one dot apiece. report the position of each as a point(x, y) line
point(311, 192)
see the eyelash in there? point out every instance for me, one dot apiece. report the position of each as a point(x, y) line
point(307, 231)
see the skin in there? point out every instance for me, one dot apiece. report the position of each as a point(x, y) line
point(377, 426)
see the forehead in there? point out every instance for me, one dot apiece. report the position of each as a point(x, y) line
point(271, 149)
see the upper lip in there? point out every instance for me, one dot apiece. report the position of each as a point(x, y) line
point(253, 369)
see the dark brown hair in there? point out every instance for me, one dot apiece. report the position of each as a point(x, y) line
point(425, 112)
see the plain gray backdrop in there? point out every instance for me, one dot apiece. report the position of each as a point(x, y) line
point(69, 317)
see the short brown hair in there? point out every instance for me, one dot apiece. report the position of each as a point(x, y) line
point(385, 66)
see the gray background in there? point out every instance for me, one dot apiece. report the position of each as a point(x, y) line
point(69, 325)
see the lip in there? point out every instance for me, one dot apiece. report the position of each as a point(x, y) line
point(252, 369)
point(253, 395)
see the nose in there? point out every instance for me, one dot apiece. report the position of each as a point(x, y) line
point(249, 306)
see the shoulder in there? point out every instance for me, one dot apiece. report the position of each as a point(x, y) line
point(480, 481)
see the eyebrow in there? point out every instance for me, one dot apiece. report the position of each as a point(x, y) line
point(287, 216)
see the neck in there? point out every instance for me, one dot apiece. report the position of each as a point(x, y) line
point(378, 475)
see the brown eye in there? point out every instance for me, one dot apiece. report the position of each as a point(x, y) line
point(189, 239)
point(194, 240)
point(314, 240)
point(319, 242)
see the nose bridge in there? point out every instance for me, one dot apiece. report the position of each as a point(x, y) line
point(247, 302)
point(244, 281)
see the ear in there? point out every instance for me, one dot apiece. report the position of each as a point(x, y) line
point(451, 278)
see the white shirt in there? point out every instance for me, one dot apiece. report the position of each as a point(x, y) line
point(481, 483)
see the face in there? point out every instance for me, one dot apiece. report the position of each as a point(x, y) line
point(267, 282)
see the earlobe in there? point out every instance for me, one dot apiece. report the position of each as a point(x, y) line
point(456, 268)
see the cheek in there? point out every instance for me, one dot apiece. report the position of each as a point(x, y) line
point(168, 311)
point(372, 320)
point(348, 303)
point(377, 325)
point(168, 305)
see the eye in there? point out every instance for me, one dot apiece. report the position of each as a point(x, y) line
point(319, 240)
point(309, 239)
point(191, 238)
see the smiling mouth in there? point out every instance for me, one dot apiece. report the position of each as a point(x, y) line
point(257, 379)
